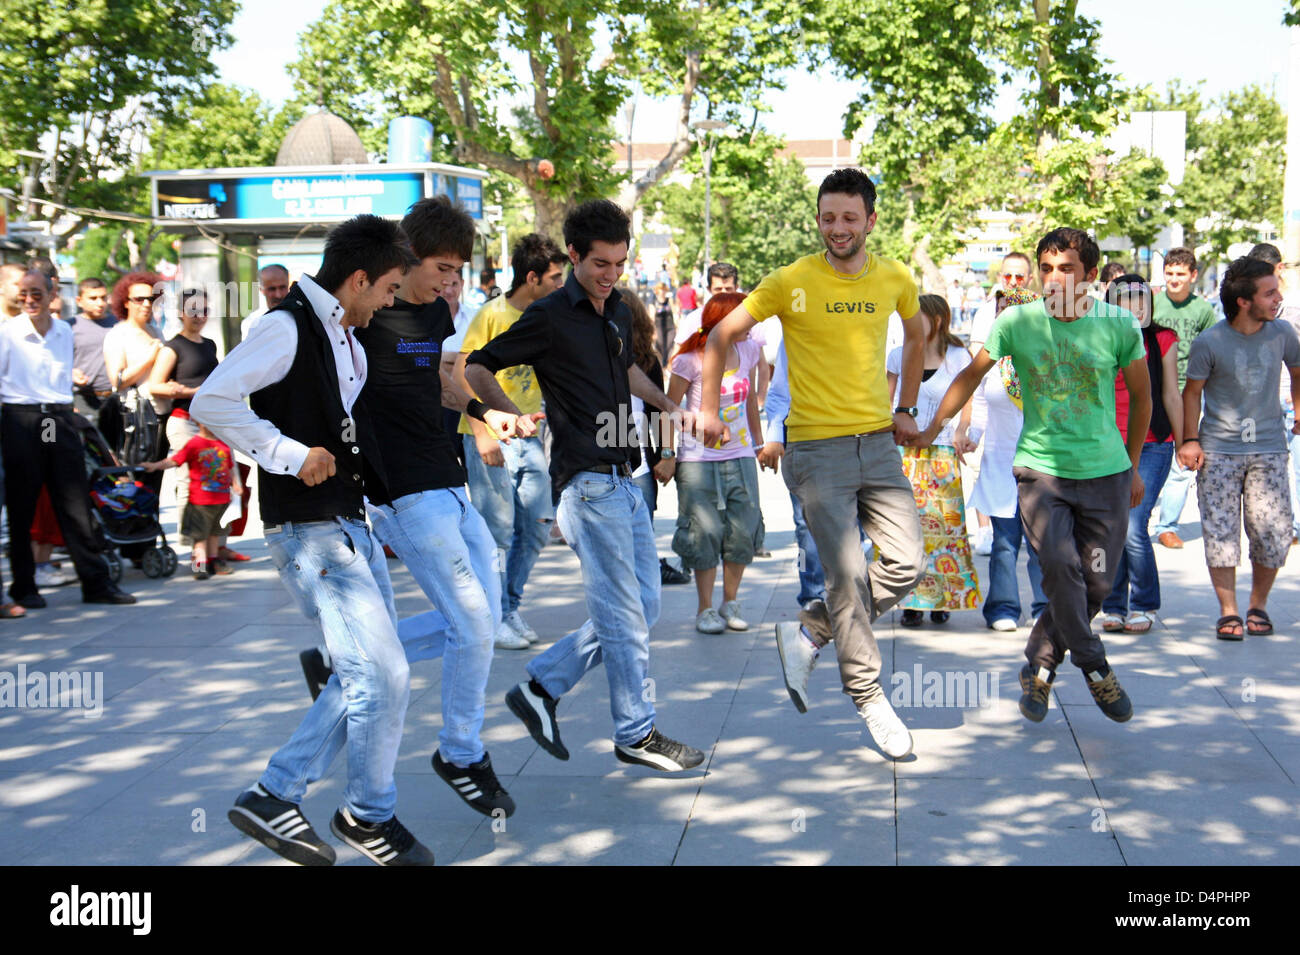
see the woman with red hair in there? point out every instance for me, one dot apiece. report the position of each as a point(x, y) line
point(717, 487)
point(130, 349)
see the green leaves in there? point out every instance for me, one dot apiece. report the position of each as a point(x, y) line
point(763, 213)
point(1234, 174)
point(89, 78)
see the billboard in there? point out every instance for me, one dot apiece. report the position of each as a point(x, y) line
point(288, 196)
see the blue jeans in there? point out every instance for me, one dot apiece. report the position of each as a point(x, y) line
point(812, 580)
point(1174, 496)
point(515, 500)
point(1137, 562)
point(605, 520)
point(1003, 600)
point(447, 548)
point(335, 571)
point(649, 490)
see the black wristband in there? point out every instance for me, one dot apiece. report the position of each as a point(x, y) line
point(476, 409)
point(1197, 440)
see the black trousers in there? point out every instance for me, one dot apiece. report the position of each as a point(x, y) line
point(43, 449)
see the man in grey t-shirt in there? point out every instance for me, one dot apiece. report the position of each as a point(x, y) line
point(1241, 445)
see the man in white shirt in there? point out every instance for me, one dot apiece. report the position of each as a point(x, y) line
point(1016, 272)
point(317, 456)
point(41, 442)
point(274, 283)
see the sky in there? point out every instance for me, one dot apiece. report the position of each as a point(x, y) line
point(1150, 41)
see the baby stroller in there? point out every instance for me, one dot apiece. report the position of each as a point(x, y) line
point(125, 509)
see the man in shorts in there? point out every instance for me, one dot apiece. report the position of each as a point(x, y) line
point(1240, 446)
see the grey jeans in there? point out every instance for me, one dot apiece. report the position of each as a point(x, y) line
point(842, 483)
point(1078, 528)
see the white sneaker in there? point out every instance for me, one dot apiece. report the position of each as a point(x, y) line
point(520, 626)
point(507, 639)
point(47, 575)
point(886, 728)
point(1003, 625)
point(731, 614)
point(984, 542)
point(798, 657)
point(709, 622)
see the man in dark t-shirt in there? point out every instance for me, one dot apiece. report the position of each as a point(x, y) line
point(426, 517)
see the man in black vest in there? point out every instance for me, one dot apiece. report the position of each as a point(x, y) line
point(317, 457)
point(424, 513)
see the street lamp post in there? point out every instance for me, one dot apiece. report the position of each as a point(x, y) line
point(629, 111)
point(710, 142)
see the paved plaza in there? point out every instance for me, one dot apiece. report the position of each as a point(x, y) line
point(201, 683)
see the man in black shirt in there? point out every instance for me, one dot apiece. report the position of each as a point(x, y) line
point(579, 342)
point(425, 515)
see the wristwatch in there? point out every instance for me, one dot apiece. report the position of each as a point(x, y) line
point(901, 410)
point(667, 454)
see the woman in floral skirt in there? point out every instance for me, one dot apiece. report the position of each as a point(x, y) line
point(949, 582)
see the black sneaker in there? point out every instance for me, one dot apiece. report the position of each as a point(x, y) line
point(668, 574)
point(477, 784)
point(280, 826)
point(1037, 689)
point(31, 602)
point(538, 715)
point(1108, 694)
point(912, 618)
point(659, 752)
point(315, 670)
point(384, 843)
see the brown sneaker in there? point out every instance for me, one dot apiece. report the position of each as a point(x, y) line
point(1109, 695)
point(1171, 540)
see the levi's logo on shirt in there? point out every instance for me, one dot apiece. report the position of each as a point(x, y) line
point(864, 308)
point(420, 349)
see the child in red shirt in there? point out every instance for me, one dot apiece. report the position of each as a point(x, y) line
point(212, 477)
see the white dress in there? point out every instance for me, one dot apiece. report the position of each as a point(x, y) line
point(995, 417)
point(933, 390)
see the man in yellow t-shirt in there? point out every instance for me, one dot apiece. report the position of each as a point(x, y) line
point(841, 457)
point(509, 483)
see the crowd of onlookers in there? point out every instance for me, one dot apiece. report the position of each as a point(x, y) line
point(135, 388)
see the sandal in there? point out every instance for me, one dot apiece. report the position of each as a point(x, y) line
point(1139, 621)
point(1112, 622)
point(11, 611)
point(225, 553)
point(1259, 629)
point(1224, 629)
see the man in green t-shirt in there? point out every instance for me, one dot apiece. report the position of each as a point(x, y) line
point(1075, 476)
point(1179, 308)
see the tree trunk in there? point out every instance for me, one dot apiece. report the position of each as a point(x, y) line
point(932, 278)
point(548, 215)
point(1049, 93)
